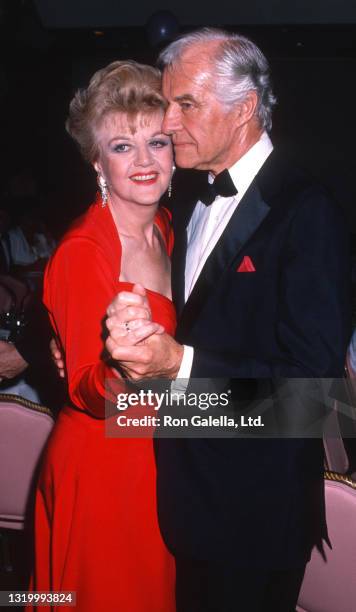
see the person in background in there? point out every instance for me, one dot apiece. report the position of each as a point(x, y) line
point(29, 243)
point(25, 364)
point(5, 224)
point(351, 356)
point(13, 296)
point(26, 367)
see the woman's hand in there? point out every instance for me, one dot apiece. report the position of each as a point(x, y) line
point(129, 319)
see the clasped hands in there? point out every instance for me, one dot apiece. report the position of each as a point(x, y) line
point(142, 346)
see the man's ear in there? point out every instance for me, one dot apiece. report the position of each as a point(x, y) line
point(245, 110)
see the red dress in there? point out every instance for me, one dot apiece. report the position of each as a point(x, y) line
point(96, 529)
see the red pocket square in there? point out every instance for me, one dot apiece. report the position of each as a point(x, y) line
point(246, 265)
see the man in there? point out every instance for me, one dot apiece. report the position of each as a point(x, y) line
point(260, 282)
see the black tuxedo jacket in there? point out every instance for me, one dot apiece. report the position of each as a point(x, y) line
point(257, 502)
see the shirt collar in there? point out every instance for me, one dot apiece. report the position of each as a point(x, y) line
point(245, 169)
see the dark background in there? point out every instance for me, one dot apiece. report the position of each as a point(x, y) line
point(51, 47)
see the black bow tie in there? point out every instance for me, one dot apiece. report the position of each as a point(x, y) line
point(222, 186)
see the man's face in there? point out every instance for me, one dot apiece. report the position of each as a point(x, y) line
point(204, 132)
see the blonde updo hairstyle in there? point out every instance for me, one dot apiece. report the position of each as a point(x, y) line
point(124, 87)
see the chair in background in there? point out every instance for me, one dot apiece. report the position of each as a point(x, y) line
point(335, 455)
point(329, 583)
point(350, 437)
point(340, 426)
point(24, 430)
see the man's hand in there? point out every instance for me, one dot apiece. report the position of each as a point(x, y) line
point(141, 346)
point(57, 357)
point(159, 356)
point(11, 362)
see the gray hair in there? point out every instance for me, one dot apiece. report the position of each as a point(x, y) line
point(239, 66)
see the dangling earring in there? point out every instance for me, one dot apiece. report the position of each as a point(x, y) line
point(103, 190)
point(170, 183)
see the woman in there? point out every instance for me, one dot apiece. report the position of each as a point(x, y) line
point(96, 524)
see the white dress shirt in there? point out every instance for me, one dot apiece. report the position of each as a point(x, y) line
point(206, 226)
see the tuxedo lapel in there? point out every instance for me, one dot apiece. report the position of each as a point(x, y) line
point(178, 266)
point(188, 186)
point(248, 216)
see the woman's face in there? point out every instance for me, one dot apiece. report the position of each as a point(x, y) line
point(136, 163)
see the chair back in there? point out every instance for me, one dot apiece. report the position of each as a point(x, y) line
point(329, 583)
point(24, 429)
point(336, 459)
